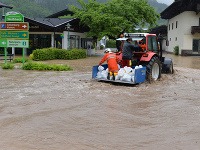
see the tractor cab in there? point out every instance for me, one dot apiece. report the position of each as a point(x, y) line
point(150, 55)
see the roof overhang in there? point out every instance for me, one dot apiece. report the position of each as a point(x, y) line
point(5, 6)
point(180, 6)
point(160, 30)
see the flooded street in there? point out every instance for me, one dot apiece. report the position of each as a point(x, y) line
point(42, 110)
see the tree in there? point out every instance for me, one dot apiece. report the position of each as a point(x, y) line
point(115, 16)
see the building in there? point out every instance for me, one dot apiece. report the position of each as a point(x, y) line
point(183, 26)
point(52, 31)
point(56, 32)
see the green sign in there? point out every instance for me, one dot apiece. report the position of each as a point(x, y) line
point(14, 34)
point(14, 17)
point(14, 43)
point(18, 43)
point(3, 43)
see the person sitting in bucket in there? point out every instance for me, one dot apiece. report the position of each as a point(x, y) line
point(112, 62)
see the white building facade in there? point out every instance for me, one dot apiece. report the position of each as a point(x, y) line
point(183, 28)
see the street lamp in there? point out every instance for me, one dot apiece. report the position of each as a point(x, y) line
point(68, 27)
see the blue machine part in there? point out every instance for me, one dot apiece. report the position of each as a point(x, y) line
point(140, 75)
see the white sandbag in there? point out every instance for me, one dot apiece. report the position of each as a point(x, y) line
point(118, 66)
point(132, 73)
point(117, 77)
point(140, 66)
point(127, 69)
point(133, 79)
point(136, 67)
point(99, 75)
point(100, 68)
point(126, 77)
point(104, 74)
point(121, 72)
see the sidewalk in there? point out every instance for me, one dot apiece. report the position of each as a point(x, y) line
point(101, 52)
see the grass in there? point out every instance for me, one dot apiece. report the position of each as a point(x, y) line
point(7, 66)
point(32, 65)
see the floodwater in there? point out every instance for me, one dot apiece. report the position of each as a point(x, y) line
point(42, 110)
point(185, 61)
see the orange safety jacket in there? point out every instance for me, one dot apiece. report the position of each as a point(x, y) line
point(143, 46)
point(112, 61)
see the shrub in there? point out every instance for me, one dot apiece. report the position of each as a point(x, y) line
point(8, 66)
point(31, 56)
point(111, 44)
point(176, 50)
point(41, 66)
point(101, 47)
point(1, 51)
point(54, 53)
point(19, 60)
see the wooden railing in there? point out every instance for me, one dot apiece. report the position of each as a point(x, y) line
point(195, 29)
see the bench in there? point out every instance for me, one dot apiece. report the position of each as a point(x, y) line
point(9, 57)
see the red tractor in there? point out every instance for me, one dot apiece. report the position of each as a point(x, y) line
point(150, 55)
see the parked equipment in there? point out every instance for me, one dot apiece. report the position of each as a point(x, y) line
point(150, 56)
point(138, 77)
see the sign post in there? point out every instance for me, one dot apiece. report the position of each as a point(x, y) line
point(14, 43)
point(5, 53)
point(14, 17)
point(14, 26)
point(14, 33)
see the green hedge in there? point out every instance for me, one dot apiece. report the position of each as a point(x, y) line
point(41, 66)
point(54, 53)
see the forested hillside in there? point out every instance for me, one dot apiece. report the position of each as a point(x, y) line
point(42, 8)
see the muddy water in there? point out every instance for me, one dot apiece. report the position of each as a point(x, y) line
point(185, 61)
point(68, 110)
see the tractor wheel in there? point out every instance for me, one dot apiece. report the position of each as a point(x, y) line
point(153, 69)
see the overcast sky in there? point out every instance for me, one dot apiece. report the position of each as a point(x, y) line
point(168, 2)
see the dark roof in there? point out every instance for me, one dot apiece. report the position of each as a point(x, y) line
point(180, 6)
point(57, 24)
point(61, 13)
point(160, 30)
point(51, 22)
point(4, 5)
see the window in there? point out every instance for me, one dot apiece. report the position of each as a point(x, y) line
point(196, 45)
point(152, 43)
point(172, 26)
point(176, 24)
point(169, 26)
point(176, 39)
point(74, 41)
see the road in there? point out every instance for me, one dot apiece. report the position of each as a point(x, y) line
point(70, 111)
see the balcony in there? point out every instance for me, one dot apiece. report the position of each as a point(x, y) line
point(195, 29)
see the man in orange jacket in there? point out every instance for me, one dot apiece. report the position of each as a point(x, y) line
point(142, 45)
point(112, 62)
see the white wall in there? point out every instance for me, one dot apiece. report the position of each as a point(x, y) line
point(65, 39)
point(181, 36)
